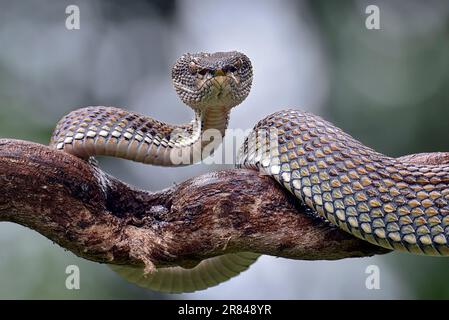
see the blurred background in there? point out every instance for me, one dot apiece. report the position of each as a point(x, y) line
point(389, 88)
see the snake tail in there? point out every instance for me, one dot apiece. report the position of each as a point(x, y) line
point(208, 273)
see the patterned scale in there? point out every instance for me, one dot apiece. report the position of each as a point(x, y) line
point(392, 203)
point(116, 132)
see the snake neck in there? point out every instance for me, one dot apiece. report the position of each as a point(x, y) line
point(213, 118)
point(206, 130)
point(210, 122)
point(198, 140)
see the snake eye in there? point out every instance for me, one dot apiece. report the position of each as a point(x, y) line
point(193, 67)
point(238, 64)
point(203, 72)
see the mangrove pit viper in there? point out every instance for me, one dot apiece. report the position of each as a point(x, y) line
point(389, 202)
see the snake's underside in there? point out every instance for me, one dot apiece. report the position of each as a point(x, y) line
point(394, 203)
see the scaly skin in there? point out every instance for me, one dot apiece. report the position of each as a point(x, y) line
point(110, 131)
point(394, 203)
point(211, 84)
point(389, 202)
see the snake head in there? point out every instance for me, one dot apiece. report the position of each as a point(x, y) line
point(221, 79)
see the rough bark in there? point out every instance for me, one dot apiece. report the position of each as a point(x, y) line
point(100, 218)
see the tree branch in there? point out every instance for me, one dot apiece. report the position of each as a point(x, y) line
point(102, 219)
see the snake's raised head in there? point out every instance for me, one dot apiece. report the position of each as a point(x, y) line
point(221, 79)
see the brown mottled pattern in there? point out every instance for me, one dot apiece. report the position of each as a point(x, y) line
point(390, 202)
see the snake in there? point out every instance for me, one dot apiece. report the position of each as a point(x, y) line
point(395, 203)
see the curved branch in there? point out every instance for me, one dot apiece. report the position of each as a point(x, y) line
point(100, 218)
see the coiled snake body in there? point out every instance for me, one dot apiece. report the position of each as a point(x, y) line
point(393, 203)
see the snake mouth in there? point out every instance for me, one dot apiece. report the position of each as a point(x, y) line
point(218, 89)
point(220, 81)
point(222, 87)
point(214, 88)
